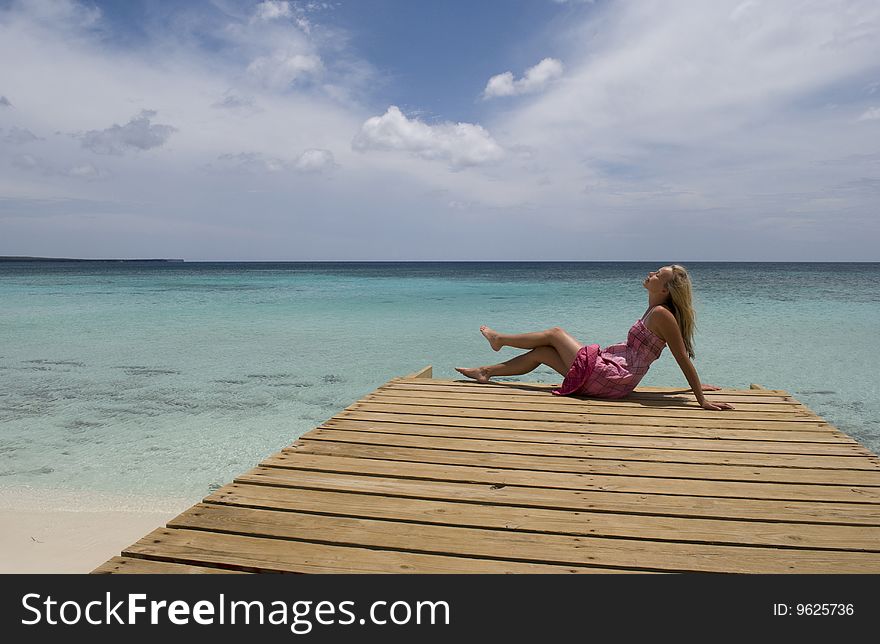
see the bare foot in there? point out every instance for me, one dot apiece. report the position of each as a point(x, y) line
point(492, 337)
point(477, 373)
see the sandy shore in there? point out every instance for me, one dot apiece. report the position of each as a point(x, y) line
point(62, 531)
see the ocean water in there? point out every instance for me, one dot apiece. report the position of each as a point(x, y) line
point(170, 379)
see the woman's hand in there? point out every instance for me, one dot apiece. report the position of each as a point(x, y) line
point(716, 406)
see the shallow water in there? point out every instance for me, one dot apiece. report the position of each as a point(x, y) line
point(171, 379)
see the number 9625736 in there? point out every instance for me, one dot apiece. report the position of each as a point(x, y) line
point(824, 609)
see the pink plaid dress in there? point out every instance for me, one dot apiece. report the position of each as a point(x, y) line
point(615, 371)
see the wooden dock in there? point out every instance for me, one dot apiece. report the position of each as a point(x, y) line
point(442, 476)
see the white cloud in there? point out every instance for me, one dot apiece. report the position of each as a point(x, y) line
point(304, 25)
point(500, 85)
point(138, 134)
point(311, 161)
point(281, 70)
point(535, 79)
point(314, 161)
point(232, 101)
point(272, 9)
point(86, 171)
point(283, 53)
point(4, 102)
point(20, 136)
point(642, 71)
point(871, 114)
point(743, 9)
point(27, 162)
point(253, 162)
point(460, 144)
point(68, 14)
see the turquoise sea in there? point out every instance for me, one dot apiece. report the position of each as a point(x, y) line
point(170, 379)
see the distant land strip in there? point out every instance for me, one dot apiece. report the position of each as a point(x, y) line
point(70, 259)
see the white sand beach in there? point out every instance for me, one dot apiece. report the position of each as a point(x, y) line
point(61, 531)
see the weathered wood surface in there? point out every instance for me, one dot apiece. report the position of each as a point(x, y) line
point(434, 476)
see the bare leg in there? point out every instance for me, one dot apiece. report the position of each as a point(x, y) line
point(519, 365)
point(566, 346)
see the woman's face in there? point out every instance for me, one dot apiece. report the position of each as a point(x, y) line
point(656, 281)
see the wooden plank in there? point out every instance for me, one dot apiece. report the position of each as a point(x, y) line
point(328, 473)
point(741, 412)
point(495, 545)
point(755, 445)
point(542, 386)
point(609, 467)
point(719, 419)
point(683, 411)
point(797, 535)
point(522, 388)
point(383, 461)
point(424, 372)
point(856, 461)
point(568, 431)
point(254, 554)
point(669, 397)
point(502, 423)
point(562, 403)
point(548, 412)
point(134, 566)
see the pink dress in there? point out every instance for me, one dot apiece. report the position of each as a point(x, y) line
point(615, 371)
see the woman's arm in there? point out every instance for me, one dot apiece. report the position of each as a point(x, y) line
point(672, 334)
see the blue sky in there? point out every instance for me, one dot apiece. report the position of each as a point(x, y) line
point(434, 57)
point(402, 130)
point(438, 55)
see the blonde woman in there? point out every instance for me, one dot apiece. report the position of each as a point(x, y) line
point(615, 371)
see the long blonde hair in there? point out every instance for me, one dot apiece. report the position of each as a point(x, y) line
point(681, 302)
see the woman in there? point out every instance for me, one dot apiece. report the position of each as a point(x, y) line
point(615, 371)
